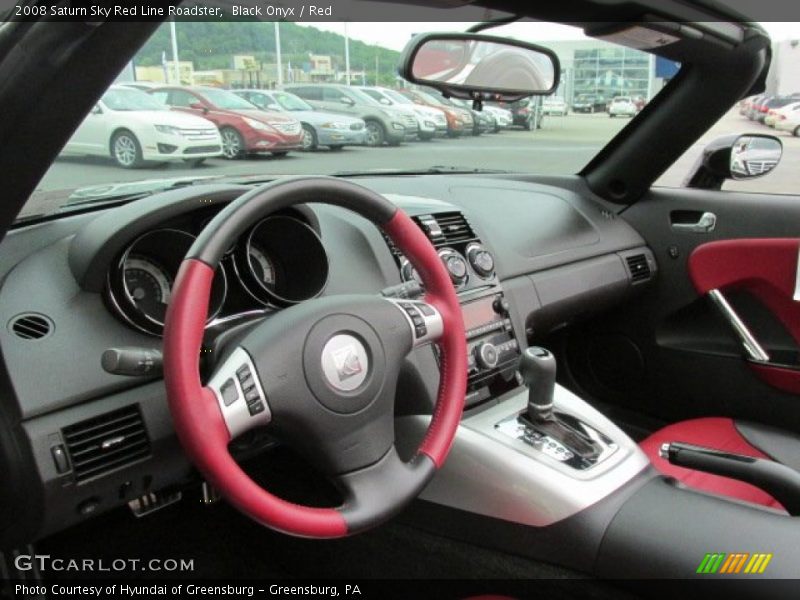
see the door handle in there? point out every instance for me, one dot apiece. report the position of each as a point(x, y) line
point(705, 224)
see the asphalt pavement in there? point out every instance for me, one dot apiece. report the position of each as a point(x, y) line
point(563, 146)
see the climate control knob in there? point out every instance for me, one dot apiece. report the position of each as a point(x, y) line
point(455, 264)
point(486, 355)
point(481, 260)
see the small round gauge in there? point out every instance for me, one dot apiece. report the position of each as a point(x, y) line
point(148, 286)
point(262, 266)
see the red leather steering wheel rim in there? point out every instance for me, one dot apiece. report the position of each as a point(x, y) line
point(196, 414)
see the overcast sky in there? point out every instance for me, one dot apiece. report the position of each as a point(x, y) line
point(395, 35)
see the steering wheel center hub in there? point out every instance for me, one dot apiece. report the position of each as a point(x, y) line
point(344, 363)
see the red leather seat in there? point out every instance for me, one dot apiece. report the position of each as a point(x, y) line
point(720, 434)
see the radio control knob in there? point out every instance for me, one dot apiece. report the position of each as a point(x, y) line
point(481, 260)
point(486, 355)
point(456, 266)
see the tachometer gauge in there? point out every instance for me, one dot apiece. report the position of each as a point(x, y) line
point(262, 266)
point(148, 286)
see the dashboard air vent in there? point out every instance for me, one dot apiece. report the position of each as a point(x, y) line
point(105, 443)
point(444, 229)
point(455, 227)
point(31, 326)
point(638, 267)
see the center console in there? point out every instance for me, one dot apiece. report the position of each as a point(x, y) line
point(536, 454)
point(492, 346)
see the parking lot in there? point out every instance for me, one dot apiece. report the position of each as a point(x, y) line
point(564, 145)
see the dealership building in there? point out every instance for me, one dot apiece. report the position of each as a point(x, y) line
point(607, 70)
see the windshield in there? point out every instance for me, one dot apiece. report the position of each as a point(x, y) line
point(397, 97)
point(326, 66)
point(129, 99)
point(289, 101)
point(227, 100)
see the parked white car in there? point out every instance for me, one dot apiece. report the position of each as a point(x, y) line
point(503, 118)
point(554, 105)
point(133, 127)
point(622, 106)
point(790, 123)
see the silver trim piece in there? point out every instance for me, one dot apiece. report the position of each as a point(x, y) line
point(491, 474)
point(751, 346)
point(705, 224)
point(434, 324)
point(796, 296)
point(237, 416)
point(663, 451)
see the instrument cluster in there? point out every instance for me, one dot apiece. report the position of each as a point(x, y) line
point(278, 262)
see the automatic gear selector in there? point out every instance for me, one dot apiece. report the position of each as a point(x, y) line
point(557, 434)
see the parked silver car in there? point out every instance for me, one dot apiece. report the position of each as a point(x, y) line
point(320, 128)
point(384, 124)
point(432, 121)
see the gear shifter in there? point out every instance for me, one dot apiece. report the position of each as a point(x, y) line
point(538, 369)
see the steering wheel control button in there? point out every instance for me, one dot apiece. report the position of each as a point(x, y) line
point(237, 377)
point(229, 392)
point(345, 362)
point(255, 408)
point(425, 321)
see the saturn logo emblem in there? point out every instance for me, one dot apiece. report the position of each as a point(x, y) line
point(345, 362)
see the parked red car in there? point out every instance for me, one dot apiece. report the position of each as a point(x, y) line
point(459, 120)
point(244, 127)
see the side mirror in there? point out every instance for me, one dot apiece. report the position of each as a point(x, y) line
point(735, 157)
point(198, 106)
point(385, 101)
point(273, 107)
point(97, 110)
point(480, 67)
point(347, 101)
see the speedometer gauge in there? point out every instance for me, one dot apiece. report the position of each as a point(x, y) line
point(148, 285)
point(262, 266)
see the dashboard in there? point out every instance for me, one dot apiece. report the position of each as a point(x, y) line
point(525, 257)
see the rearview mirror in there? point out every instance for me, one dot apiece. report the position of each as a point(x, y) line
point(480, 67)
point(735, 157)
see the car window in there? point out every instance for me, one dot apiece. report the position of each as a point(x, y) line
point(332, 95)
point(129, 99)
point(309, 93)
point(290, 102)
point(226, 100)
point(769, 114)
point(182, 98)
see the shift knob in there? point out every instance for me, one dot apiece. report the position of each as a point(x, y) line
point(538, 369)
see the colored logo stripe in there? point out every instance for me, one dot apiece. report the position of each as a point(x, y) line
point(737, 562)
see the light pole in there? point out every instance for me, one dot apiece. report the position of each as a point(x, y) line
point(176, 67)
point(346, 55)
point(278, 53)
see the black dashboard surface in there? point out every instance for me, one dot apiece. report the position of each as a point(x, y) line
point(58, 268)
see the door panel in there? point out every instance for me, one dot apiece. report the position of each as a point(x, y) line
point(672, 354)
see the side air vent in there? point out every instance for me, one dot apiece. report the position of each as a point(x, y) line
point(106, 443)
point(31, 326)
point(638, 268)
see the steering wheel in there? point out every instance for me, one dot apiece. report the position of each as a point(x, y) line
point(322, 374)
